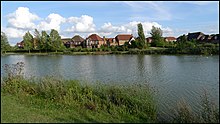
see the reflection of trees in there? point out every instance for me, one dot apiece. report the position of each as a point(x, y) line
point(140, 64)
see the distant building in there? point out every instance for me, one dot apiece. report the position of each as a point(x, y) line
point(215, 38)
point(76, 41)
point(20, 44)
point(111, 42)
point(66, 42)
point(196, 36)
point(170, 39)
point(149, 40)
point(201, 37)
point(94, 41)
point(122, 38)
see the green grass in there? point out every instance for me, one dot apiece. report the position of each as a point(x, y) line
point(53, 100)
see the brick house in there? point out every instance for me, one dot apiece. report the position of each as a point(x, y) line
point(170, 39)
point(76, 41)
point(122, 38)
point(94, 41)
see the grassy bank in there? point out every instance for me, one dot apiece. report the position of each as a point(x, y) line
point(200, 49)
point(55, 100)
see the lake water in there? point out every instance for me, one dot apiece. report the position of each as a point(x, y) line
point(174, 77)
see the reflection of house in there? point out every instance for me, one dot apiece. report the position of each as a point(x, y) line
point(122, 38)
point(170, 39)
point(94, 41)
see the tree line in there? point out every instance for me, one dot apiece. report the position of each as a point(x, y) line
point(42, 41)
point(52, 42)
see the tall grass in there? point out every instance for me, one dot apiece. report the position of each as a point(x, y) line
point(98, 102)
point(124, 103)
point(207, 113)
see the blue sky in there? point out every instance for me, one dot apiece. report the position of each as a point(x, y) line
point(108, 18)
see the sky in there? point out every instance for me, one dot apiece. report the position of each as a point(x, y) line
point(107, 18)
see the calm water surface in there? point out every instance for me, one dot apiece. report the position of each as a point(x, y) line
point(174, 77)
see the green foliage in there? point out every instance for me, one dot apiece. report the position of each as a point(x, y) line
point(38, 39)
point(55, 40)
point(28, 41)
point(141, 35)
point(134, 44)
point(4, 43)
point(156, 34)
point(44, 44)
point(123, 103)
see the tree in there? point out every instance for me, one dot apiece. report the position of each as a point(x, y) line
point(37, 39)
point(28, 41)
point(4, 43)
point(44, 43)
point(157, 38)
point(55, 40)
point(141, 36)
point(181, 44)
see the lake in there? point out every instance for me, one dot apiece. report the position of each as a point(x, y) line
point(174, 76)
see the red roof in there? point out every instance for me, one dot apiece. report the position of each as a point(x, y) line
point(124, 37)
point(170, 38)
point(95, 37)
point(110, 39)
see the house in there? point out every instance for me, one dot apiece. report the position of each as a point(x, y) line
point(149, 40)
point(94, 41)
point(170, 39)
point(205, 38)
point(76, 41)
point(20, 44)
point(122, 38)
point(215, 39)
point(196, 36)
point(111, 42)
point(66, 42)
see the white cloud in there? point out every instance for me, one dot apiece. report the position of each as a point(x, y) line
point(53, 21)
point(81, 24)
point(131, 28)
point(13, 32)
point(22, 19)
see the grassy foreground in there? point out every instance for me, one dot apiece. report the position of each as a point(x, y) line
point(52, 100)
point(55, 100)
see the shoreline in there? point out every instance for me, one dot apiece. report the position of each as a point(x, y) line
point(130, 52)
